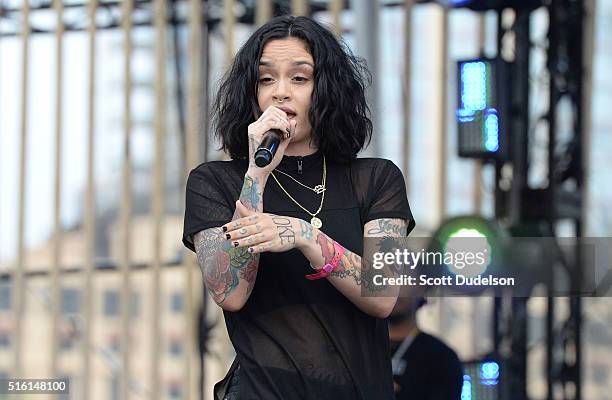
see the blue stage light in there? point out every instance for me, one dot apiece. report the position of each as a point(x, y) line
point(482, 104)
point(489, 373)
point(466, 389)
point(491, 139)
point(473, 86)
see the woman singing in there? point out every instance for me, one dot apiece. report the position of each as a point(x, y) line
point(280, 246)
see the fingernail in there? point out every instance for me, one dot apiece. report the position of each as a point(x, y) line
point(225, 229)
point(235, 244)
point(251, 250)
point(228, 236)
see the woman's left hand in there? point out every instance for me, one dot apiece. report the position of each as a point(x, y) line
point(262, 231)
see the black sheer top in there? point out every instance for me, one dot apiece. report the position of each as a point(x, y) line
point(294, 338)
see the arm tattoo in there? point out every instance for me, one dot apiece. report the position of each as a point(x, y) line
point(222, 264)
point(327, 248)
point(361, 269)
point(388, 226)
point(306, 229)
point(250, 196)
point(285, 229)
point(253, 145)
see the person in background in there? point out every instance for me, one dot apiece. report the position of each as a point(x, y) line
point(424, 367)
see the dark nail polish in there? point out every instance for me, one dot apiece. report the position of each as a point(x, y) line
point(235, 244)
point(228, 236)
point(251, 250)
point(225, 229)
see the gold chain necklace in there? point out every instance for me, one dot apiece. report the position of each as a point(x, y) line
point(317, 189)
point(316, 222)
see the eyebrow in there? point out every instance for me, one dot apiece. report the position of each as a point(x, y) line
point(295, 63)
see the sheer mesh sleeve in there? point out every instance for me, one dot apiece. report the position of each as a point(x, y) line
point(206, 203)
point(381, 191)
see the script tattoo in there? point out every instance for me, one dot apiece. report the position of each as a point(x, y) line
point(285, 229)
point(306, 229)
point(387, 226)
point(222, 264)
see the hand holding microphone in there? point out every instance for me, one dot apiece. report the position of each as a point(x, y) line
point(269, 136)
point(267, 148)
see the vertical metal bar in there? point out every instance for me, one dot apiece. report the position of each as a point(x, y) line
point(335, 9)
point(194, 83)
point(193, 122)
point(443, 140)
point(588, 43)
point(300, 7)
point(407, 90)
point(477, 193)
point(126, 200)
point(229, 22)
point(57, 223)
point(90, 206)
point(443, 134)
point(263, 11)
point(367, 39)
point(194, 119)
point(18, 291)
point(585, 120)
point(158, 188)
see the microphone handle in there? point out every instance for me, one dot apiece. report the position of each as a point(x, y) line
point(267, 148)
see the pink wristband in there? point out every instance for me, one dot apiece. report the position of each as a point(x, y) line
point(329, 267)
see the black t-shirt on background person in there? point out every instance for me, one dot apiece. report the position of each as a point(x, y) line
point(294, 338)
point(431, 371)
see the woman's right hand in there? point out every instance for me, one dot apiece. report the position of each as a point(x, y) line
point(271, 118)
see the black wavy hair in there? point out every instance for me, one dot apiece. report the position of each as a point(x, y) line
point(339, 114)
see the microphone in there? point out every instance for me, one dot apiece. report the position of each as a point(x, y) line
point(266, 150)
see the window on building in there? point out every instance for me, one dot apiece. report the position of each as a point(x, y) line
point(115, 343)
point(5, 339)
point(111, 303)
point(114, 386)
point(70, 300)
point(176, 347)
point(177, 302)
point(66, 342)
point(5, 297)
point(135, 305)
point(175, 391)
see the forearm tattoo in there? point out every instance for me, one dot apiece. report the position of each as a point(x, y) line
point(222, 264)
point(388, 226)
point(326, 246)
point(253, 145)
point(306, 229)
point(353, 265)
point(250, 196)
point(285, 229)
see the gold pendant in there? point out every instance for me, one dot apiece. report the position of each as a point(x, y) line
point(316, 222)
point(319, 189)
